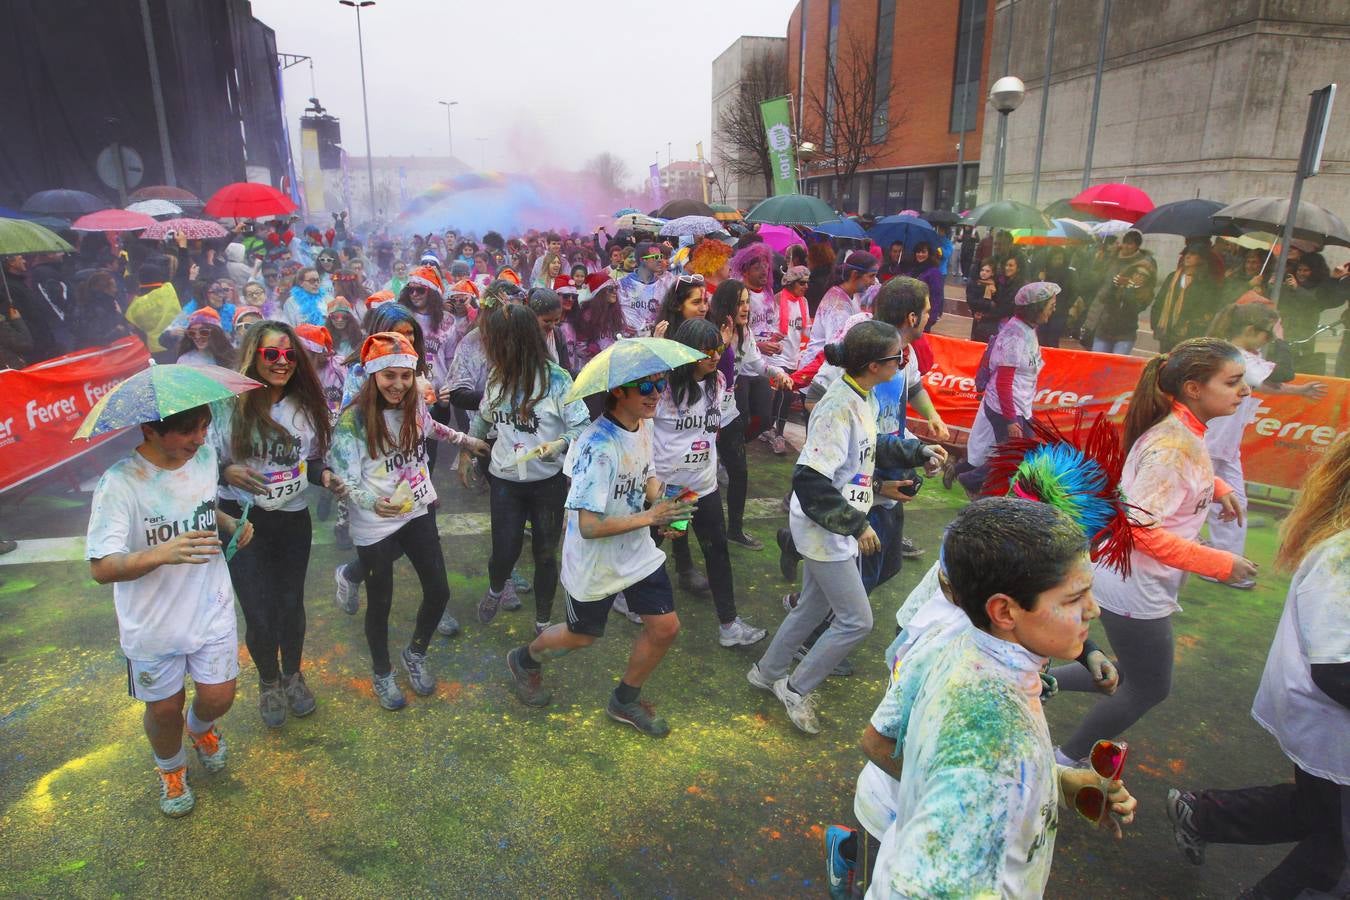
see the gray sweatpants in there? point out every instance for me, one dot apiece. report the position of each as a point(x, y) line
point(826, 587)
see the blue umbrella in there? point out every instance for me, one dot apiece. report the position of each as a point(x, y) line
point(908, 230)
point(842, 228)
point(627, 210)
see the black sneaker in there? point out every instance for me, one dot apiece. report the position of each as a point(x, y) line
point(749, 542)
point(527, 683)
point(298, 695)
point(640, 715)
point(909, 551)
point(694, 582)
point(1181, 811)
point(788, 557)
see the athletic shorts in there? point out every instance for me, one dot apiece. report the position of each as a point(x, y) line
point(149, 680)
point(652, 596)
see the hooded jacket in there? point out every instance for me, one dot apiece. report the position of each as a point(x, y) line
point(239, 271)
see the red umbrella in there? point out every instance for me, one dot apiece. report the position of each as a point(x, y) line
point(192, 229)
point(1114, 201)
point(165, 192)
point(113, 220)
point(248, 200)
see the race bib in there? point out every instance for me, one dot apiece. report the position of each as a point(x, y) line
point(282, 485)
point(858, 492)
point(419, 484)
point(696, 457)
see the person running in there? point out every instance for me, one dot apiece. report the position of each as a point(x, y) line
point(857, 273)
point(379, 452)
point(153, 535)
point(525, 403)
point(1304, 702)
point(271, 444)
point(1169, 478)
point(831, 497)
point(608, 548)
point(685, 431)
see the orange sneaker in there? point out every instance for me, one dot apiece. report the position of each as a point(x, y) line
point(211, 749)
point(175, 794)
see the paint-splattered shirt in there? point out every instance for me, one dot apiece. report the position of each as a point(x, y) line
point(686, 438)
point(469, 370)
point(609, 467)
point(175, 609)
point(282, 463)
point(550, 420)
point(977, 805)
point(835, 308)
point(1313, 730)
point(841, 444)
point(641, 301)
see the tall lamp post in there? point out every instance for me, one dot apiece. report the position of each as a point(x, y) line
point(449, 132)
point(359, 5)
point(1005, 95)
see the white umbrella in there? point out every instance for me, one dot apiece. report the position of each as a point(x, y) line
point(156, 208)
point(1111, 228)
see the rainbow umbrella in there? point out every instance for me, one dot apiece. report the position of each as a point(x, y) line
point(627, 360)
point(158, 392)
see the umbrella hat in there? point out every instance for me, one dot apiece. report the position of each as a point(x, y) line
point(627, 360)
point(160, 391)
point(792, 209)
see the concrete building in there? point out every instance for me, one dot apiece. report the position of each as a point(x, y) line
point(934, 57)
point(683, 178)
point(729, 71)
point(1198, 98)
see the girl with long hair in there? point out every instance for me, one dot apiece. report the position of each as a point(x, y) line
point(344, 328)
point(601, 317)
point(547, 307)
point(549, 269)
point(205, 342)
point(271, 444)
point(525, 403)
point(686, 299)
point(923, 266)
point(685, 429)
point(307, 301)
point(568, 290)
point(1169, 478)
point(379, 450)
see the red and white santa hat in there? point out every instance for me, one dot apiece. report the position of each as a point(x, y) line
point(387, 350)
point(314, 338)
point(428, 277)
point(464, 287)
point(598, 281)
point(563, 285)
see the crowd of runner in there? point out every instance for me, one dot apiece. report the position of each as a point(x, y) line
point(380, 360)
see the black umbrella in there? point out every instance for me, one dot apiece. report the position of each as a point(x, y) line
point(1188, 218)
point(63, 204)
point(942, 217)
point(684, 207)
point(1269, 214)
point(1007, 214)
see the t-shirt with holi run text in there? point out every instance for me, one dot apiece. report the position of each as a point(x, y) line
point(370, 479)
point(686, 438)
point(550, 420)
point(176, 609)
point(977, 805)
point(1313, 730)
point(1168, 476)
point(1223, 435)
point(609, 467)
point(281, 463)
point(841, 444)
point(763, 321)
point(798, 320)
point(641, 301)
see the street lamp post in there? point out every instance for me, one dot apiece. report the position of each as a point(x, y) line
point(449, 133)
point(1005, 95)
point(359, 5)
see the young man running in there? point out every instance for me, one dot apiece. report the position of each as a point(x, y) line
point(152, 533)
point(608, 548)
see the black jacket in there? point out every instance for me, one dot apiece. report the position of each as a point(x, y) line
point(45, 307)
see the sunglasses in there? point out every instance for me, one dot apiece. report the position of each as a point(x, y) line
point(199, 332)
point(885, 359)
point(1108, 761)
point(713, 352)
point(272, 354)
point(689, 279)
point(647, 388)
point(653, 256)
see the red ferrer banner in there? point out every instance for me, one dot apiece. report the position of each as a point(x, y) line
point(42, 406)
point(1278, 447)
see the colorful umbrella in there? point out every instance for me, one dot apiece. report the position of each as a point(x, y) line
point(193, 229)
point(155, 207)
point(175, 195)
point(1269, 213)
point(25, 236)
point(1187, 218)
point(158, 392)
point(1065, 231)
point(1113, 201)
point(63, 204)
point(691, 226)
point(792, 209)
point(248, 200)
point(629, 359)
point(780, 237)
point(1007, 214)
point(113, 220)
point(626, 211)
point(1061, 209)
point(725, 213)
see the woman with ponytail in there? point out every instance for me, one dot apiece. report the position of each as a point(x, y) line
point(1169, 479)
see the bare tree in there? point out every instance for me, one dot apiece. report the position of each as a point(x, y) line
point(609, 171)
point(744, 147)
point(849, 113)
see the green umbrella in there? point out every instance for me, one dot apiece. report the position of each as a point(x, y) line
point(629, 359)
point(792, 209)
point(1008, 214)
point(160, 391)
point(22, 236)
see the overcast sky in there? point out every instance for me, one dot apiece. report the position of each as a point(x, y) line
point(553, 82)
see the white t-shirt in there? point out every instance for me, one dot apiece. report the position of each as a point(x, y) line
point(641, 301)
point(763, 313)
point(176, 609)
point(685, 438)
point(609, 467)
point(1169, 477)
point(1016, 345)
point(1223, 435)
point(834, 309)
point(197, 358)
point(798, 320)
point(550, 419)
point(1313, 730)
point(282, 464)
point(841, 444)
point(977, 805)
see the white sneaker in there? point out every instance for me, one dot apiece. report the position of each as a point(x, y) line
point(801, 710)
point(739, 634)
point(779, 444)
point(621, 605)
point(348, 596)
point(756, 678)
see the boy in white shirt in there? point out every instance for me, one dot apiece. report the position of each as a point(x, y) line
point(613, 504)
point(153, 535)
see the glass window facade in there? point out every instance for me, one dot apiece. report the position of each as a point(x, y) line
point(885, 48)
point(831, 49)
point(966, 97)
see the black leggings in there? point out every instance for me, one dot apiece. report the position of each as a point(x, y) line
point(711, 532)
point(269, 579)
point(782, 405)
point(540, 502)
point(754, 398)
point(418, 540)
point(731, 450)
